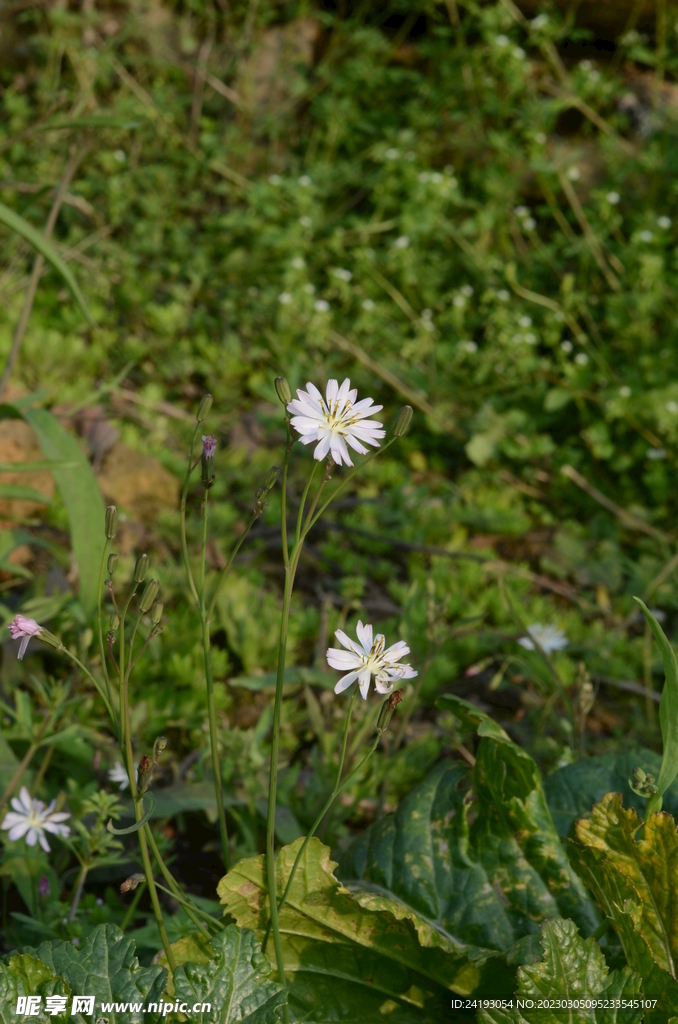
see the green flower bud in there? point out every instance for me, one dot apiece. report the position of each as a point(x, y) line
point(149, 595)
point(387, 709)
point(115, 621)
point(271, 478)
point(156, 613)
point(112, 563)
point(140, 568)
point(204, 408)
point(159, 746)
point(144, 773)
point(283, 389)
point(111, 523)
point(402, 424)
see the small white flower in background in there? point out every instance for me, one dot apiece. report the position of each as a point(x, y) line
point(402, 242)
point(559, 316)
point(613, 198)
point(321, 305)
point(306, 222)
point(368, 304)
point(645, 236)
point(566, 346)
point(529, 223)
point(459, 301)
point(581, 358)
point(305, 181)
point(427, 314)
point(118, 775)
point(518, 53)
point(502, 40)
point(549, 638)
point(423, 177)
point(274, 179)
point(298, 263)
point(664, 222)
point(284, 298)
point(120, 155)
point(540, 138)
point(467, 290)
point(574, 174)
point(391, 153)
point(525, 321)
point(335, 420)
point(342, 273)
point(437, 178)
point(531, 339)
point(594, 76)
point(521, 211)
point(469, 346)
point(23, 628)
point(659, 615)
point(369, 658)
point(656, 453)
point(540, 21)
point(625, 391)
point(672, 407)
point(585, 65)
point(31, 818)
point(309, 289)
point(503, 295)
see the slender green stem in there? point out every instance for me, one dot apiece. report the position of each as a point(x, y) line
point(187, 906)
point(191, 908)
point(320, 817)
point(224, 572)
point(182, 517)
point(102, 649)
point(83, 668)
point(302, 504)
point(211, 703)
point(283, 500)
point(77, 892)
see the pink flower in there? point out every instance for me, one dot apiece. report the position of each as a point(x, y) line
point(24, 628)
point(209, 446)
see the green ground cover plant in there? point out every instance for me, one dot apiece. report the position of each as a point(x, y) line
point(469, 210)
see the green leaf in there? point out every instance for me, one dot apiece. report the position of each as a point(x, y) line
point(80, 494)
point(668, 711)
point(572, 791)
point(38, 241)
point(342, 955)
point(510, 851)
point(572, 968)
point(235, 982)
point(636, 883)
point(105, 967)
point(14, 492)
point(25, 975)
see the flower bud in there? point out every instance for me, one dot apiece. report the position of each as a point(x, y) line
point(111, 524)
point(283, 389)
point(149, 595)
point(204, 408)
point(156, 613)
point(387, 709)
point(115, 621)
point(140, 568)
point(271, 478)
point(112, 563)
point(131, 883)
point(159, 746)
point(209, 446)
point(403, 421)
point(144, 773)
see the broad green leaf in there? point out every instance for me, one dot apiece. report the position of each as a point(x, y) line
point(105, 967)
point(80, 494)
point(636, 883)
point(234, 982)
point(510, 850)
point(342, 955)
point(572, 791)
point(572, 968)
point(22, 227)
point(25, 975)
point(668, 711)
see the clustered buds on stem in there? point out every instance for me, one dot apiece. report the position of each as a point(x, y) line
point(642, 783)
point(387, 709)
point(140, 568)
point(111, 522)
point(204, 408)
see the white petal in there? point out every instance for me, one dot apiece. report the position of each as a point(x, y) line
point(396, 651)
point(364, 683)
point(312, 393)
point(343, 659)
point(331, 392)
point(22, 647)
point(356, 445)
point(383, 685)
point(346, 642)
point(323, 448)
point(19, 830)
point(43, 842)
point(25, 798)
point(344, 391)
point(345, 682)
point(526, 643)
point(365, 636)
point(32, 837)
point(365, 405)
point(344, 451)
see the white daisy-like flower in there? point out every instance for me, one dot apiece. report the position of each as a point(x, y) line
point(367, 658)
point(31, 818)
point(118, 775)
point(335, 421)
point(549, 638)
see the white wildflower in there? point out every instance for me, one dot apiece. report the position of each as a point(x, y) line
point(31, 818)
point(525, 321)
point(656, 453)
point(274, 179)
point(305, 181)
point(306, 222)
point(368, 305)
point(566, 346)
point(625, 391)
point(298, 263)
point(664, 222)
point(503, 295)
point(335, 421)
point(518, 53)
point(309, 288)
point(469, 346)
point(574, 174)
point(672, 407)
point(540, 138)
point(120, 155)
point(521, 211)
point(529, 223)
point(402, 242)
point(391, 153)
point(549, 638)
point(645, 236)
point(369, 658)
point(467, 290)
point(284, 298)
point(502, 40)
point(342, 273)
point(581, 358)
point(321, 305)
point(613, 198)
point(118, 775)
